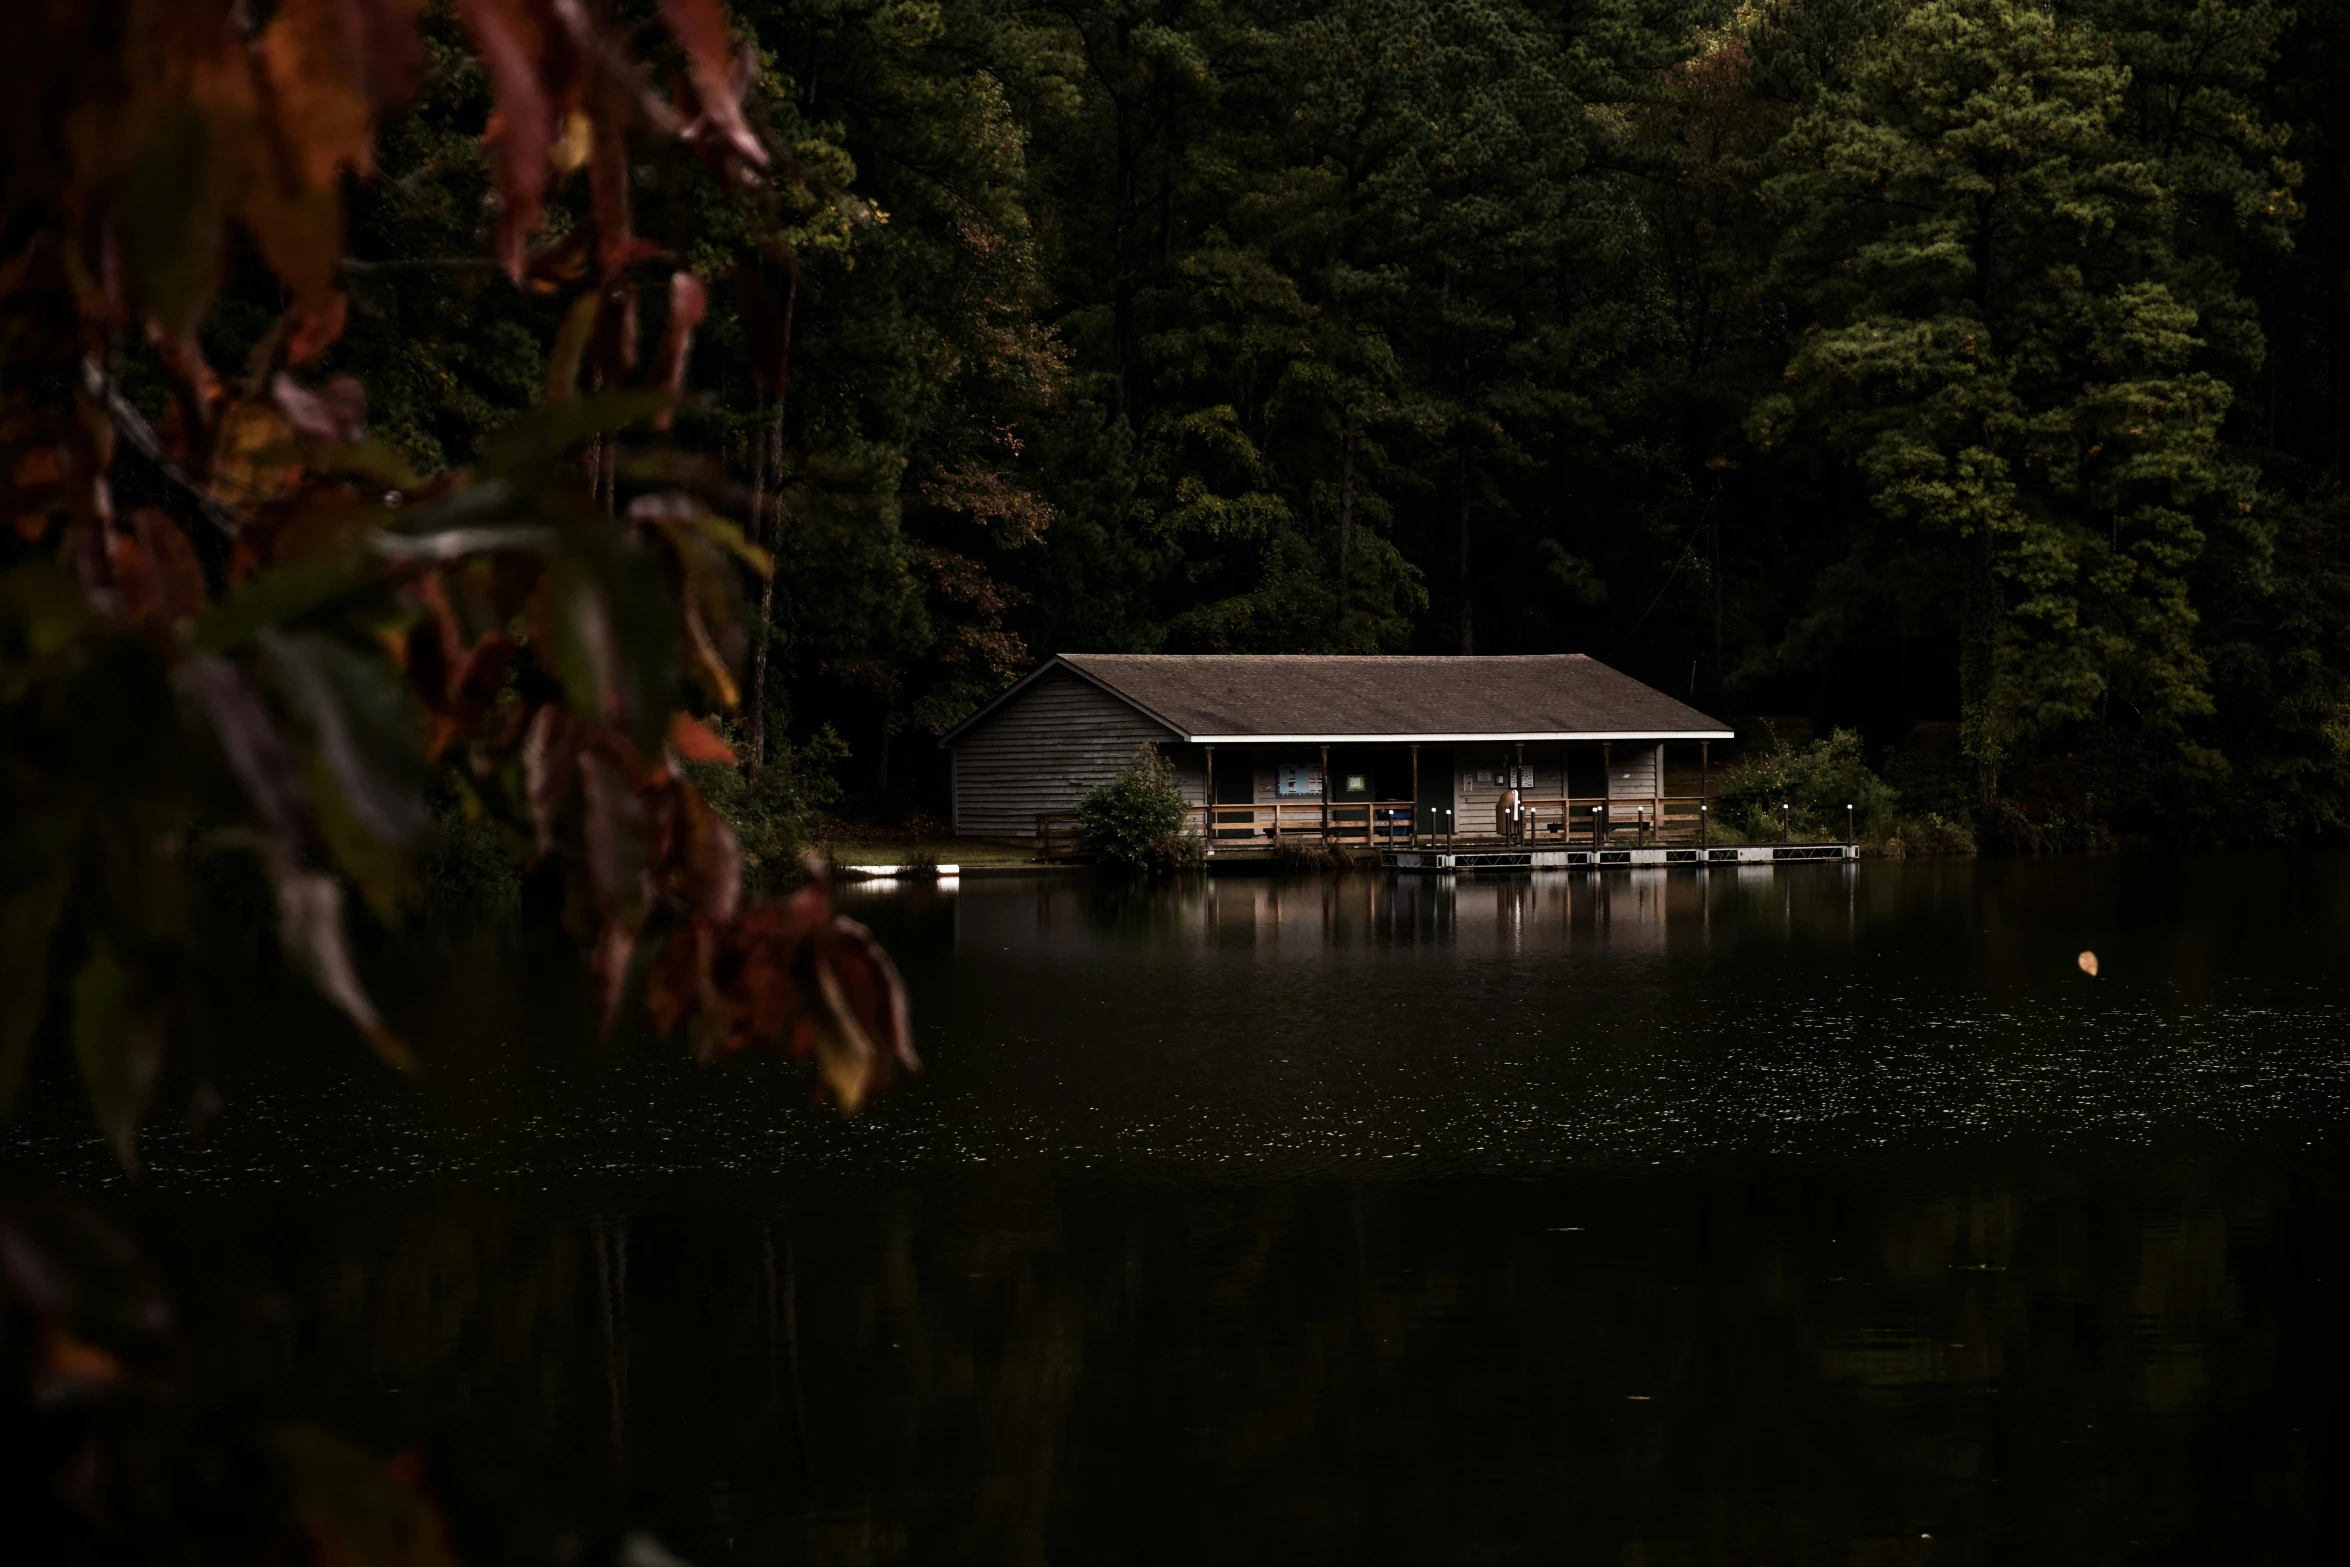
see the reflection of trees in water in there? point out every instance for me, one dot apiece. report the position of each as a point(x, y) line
point(1014, 1369)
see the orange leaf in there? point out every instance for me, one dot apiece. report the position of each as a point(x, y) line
point(245, 461)
point(318, 329)
point(694, 741)
point(323, 118)
point(67, 1359)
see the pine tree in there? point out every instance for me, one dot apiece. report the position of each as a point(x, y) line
point(2002, 351)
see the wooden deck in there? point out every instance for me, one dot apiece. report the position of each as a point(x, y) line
point(1502, 857)
point(1246, 831)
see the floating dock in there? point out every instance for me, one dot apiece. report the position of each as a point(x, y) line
point(1504, 858)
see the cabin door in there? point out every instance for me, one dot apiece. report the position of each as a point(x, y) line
point(1432, 811)
point(1235, 783)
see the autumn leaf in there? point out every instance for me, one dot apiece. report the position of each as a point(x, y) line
point(700, 28)
point(693, 740)
point(521, 131)
point(356, 1508)
point(310, 931)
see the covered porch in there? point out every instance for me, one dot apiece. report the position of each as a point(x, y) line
point(1247, 798)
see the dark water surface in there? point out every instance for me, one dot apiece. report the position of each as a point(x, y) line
point(1758, 1218)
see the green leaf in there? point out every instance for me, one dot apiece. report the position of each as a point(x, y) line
point(170, 221)
point(269, 599)
point(361, 723)
point(41, 610)
point(119, 1051)
point(551, 429)
point(612, 632)
point(571, 342)
point(371, 458)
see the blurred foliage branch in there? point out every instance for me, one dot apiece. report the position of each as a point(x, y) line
point(249, 626)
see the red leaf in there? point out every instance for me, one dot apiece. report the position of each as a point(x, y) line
point(521, 128)
point(856, 1022)
point(615, 336)
point(608, 175)
point(388, 46)
point(712, 882)
point(608, 966)
point(155, 570)
point(550, 761)
point(336, 412)
point(318, 329)
point(614, 822)
point(700, 27)
point(687, 300)
point(693, 740)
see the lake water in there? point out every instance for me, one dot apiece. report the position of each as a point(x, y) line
point(1827, 1215)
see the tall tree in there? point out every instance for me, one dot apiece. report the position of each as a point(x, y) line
point(2002, 347)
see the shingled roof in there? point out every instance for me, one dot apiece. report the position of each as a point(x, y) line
point(1241, 697)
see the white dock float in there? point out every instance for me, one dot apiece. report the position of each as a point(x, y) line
point(1534, 859)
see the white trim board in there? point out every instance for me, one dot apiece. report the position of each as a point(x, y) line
point(1551, 736)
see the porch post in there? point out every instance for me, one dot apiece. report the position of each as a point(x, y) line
point(1517, 771)
point(1207, 796)
point(1325, 794)
point(1607, 789)
point(1415, 794)
point(1657, 783)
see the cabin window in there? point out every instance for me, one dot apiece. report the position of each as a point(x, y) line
point(1298, 780)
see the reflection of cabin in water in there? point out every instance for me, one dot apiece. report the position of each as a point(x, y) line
point(1351, 750)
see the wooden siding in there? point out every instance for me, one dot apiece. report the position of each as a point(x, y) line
point(1478, 786)
point(1043, 751)
point(1634, 773)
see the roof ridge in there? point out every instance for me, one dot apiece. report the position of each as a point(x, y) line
point(1356, 658)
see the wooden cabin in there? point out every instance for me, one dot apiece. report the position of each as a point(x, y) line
point(1343, 749)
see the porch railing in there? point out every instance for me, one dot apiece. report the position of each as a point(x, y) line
point(1381, 824)
point(1366, 824)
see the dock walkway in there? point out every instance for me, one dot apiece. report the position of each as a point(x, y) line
point(1504, 858)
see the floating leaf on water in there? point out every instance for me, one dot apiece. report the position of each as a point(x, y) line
point(2088, 962)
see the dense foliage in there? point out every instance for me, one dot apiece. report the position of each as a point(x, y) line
point(1137, 822)
point(1864, 362)
point(238, 623)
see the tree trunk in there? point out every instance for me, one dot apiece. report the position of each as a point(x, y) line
point(1468, 626)
point(1346, 518)
point(1977, 673)
point(768, 461)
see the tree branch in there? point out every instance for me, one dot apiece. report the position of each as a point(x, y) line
point(133, 427)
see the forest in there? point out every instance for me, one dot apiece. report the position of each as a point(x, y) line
point(448, 443)
point(542, 452)
point(1964, 364)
